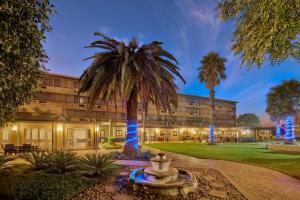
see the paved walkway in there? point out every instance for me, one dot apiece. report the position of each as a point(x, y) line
point(256, 183)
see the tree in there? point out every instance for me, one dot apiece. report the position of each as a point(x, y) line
point(133, 73)
point(22, 27)
point(211, 72)
point(248, 120)
point(264, 29)
point(283, 100)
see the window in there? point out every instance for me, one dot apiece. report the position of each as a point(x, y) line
point(162, 134)
point(174, 133)
point(59, 98)
point(83, 100)
point(47, 82)
point(56, 82)
point(43, 96)
point(70, 99)
point(119, 133)
point(5, 134)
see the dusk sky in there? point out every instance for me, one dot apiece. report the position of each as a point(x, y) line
point(189, 30)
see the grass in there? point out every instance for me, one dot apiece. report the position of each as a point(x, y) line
point(250, 153)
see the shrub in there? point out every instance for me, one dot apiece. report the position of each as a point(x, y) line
point(38, 159)
point(3, 160)
point(40, 186)
point(109, 143)
point(98, 165)
point(118, 155)
point(109, 146)
point(146, 155)
point(143, 155)
point(61, 161)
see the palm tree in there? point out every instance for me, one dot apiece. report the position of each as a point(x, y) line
point(211, 72)
point(275, 108)
point(283, 100)
point(133, 73)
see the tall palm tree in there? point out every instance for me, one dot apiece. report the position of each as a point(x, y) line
point(275, 108)
point(133, 73)
point(283, 100)
point(211, 72)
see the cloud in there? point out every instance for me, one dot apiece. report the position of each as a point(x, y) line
point(104, 30)
point(234, 72)
point(202, 15)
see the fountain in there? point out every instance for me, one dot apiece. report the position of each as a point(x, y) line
point(162, 179)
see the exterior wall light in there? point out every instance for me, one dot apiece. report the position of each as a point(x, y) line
point(59, 128)
point(14, 128)
point(97, 128)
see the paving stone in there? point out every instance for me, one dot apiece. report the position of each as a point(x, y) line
point(218, 193)
point(216, 185)
point(110, 189)
point(209, 178)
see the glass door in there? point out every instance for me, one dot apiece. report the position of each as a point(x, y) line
point(79, 138)
point(4, 136)
point(38, 136)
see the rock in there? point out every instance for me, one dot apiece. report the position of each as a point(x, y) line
point(110, 189)
point(124, 173)
point(218, 193)
point(209, 178)
point(216, 185)
point(122, 197)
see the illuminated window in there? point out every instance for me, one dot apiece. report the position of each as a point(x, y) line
point(174, 133)
point(119, 133)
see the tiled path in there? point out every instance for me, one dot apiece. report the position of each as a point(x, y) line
point(256, 183)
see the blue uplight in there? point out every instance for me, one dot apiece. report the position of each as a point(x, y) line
point(211, 133)
point(289, 126)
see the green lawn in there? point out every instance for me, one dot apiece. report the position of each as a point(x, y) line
point(254, 153)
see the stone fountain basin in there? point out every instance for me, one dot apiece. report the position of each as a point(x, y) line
point(184, 183)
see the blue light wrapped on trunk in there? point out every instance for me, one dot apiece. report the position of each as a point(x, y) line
point(132, 135)
point(289, 126)
point(278, 132)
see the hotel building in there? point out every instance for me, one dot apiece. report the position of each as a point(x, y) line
point(58, 118)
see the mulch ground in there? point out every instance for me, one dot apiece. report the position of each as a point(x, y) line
point(211, 185)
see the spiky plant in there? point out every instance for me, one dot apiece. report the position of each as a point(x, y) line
point(37, 159)
point(61, 161)
point(211, 72)
point(131, 72)
point(98, 165)
point(3, 160)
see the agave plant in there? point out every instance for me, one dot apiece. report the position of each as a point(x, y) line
point(61, 161)
point(98, 165)
point(3, 160)
point(37, 159)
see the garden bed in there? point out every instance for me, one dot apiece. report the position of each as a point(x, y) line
point(212, 185)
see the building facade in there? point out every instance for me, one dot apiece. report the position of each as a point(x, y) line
point(58, 118)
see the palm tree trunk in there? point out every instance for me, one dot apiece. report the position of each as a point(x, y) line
point(131, 148)
point(212, 116)
point(278, 134)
